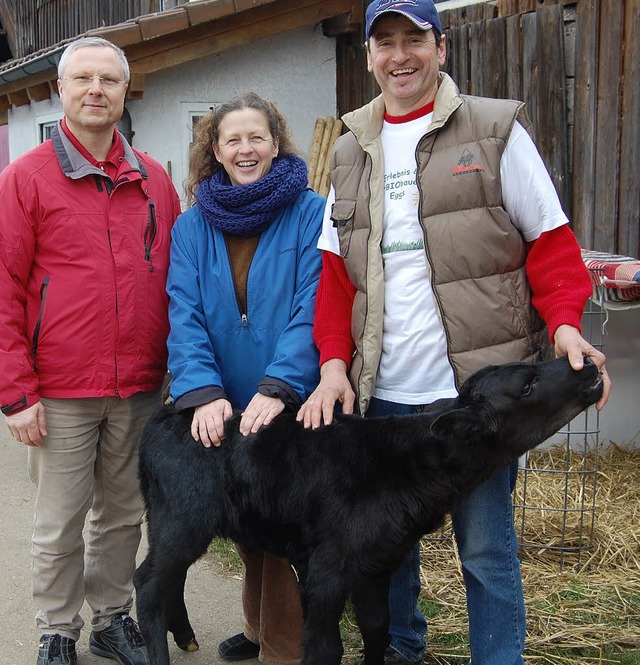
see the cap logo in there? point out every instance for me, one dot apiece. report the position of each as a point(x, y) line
point(388, 5)
point(402, 8)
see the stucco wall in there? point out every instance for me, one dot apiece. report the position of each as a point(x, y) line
point(296, 70)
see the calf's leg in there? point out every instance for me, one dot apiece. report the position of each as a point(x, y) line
point(370, 597)
point(174, 545)
point(324, 594)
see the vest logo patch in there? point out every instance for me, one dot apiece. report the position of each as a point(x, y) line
point(467, 164)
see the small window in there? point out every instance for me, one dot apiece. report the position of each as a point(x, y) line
point(190, 113)
point(45, 124)
point(194, 117)
point(45, 130)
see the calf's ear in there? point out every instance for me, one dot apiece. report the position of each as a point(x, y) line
point(465, 422)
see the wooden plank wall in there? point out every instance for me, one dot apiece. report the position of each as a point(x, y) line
point(35, 24)
point(607, 147)
point(517, 49)
point(502, 56)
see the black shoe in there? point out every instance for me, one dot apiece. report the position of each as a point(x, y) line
point(238, 647)
point(57, 650)
point(121, 642)
point(392, 657)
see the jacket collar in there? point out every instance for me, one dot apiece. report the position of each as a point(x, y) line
point(75, 166)
point(366, 122)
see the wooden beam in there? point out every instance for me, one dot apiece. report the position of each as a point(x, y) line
point(237, 30)
point(40, 92)
point(137, 82)
point(241, 5)
point(4, 117)
point(344, 24)
point(203, 12)
point(19, 97)
point(195, 31)
point(121, 35)
point(163, 23)
point(32, 80)
point(5, 104)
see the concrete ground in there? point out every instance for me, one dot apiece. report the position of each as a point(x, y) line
point(212, 596)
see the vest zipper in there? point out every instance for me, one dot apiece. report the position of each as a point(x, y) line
point(436, 297)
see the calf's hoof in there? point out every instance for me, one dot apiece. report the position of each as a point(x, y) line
point(191, 645)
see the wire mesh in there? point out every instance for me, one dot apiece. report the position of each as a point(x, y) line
point(568, 531)
point(571, 480)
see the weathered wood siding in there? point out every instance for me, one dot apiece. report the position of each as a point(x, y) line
point(35, 24)
point(521, 56)
point(577, 66)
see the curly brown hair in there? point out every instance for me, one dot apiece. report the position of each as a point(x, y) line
point(202, 160)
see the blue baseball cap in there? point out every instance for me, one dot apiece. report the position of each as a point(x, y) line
point(422, 13)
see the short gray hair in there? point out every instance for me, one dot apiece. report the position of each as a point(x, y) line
point(85, 42)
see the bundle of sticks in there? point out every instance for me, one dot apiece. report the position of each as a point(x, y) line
point(326, 131)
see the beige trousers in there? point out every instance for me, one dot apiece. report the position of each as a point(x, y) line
point(272, 607)
point(88, 510)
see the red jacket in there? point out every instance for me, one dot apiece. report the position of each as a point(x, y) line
point(83, 265)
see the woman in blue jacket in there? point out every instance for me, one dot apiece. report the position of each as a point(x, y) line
point(242, 283)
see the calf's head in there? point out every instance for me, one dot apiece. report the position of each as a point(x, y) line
point(514, 407)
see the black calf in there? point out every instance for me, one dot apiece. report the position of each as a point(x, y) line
point(343, 503)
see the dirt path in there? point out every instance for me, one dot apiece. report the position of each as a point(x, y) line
point(213, 598)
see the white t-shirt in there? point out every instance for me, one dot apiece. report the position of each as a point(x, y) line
point(413, 337)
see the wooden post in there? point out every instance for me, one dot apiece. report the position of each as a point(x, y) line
point(328, 127)
point(314, 153)
point(325, 181)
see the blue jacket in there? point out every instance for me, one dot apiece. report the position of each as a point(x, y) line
point(211, 343)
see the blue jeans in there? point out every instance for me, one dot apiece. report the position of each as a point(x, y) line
point(488, 548)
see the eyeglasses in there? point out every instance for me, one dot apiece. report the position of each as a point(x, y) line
point(106, 82)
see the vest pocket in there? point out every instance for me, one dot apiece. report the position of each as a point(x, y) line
point(342, 214)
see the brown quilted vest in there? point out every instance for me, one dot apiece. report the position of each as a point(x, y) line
point(475, 254)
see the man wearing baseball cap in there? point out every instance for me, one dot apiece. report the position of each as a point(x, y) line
point(445, 249)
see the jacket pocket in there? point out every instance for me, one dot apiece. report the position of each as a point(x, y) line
point(342, 216)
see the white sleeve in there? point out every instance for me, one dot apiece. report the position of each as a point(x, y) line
point(329, 237)
point(528, 193)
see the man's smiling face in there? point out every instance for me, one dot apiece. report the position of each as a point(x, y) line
point(405, 62)
point(89, 104)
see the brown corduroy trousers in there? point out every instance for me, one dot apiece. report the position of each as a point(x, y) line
point(272, 608)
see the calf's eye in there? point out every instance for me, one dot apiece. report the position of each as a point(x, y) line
point(526, 391)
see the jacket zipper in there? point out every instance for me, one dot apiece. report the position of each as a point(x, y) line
point(36, 331)
point(244, 319)
point(115, 357)
point(150, 233)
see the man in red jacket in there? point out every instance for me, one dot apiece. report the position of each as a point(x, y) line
point(445, 248)
point(84, 251)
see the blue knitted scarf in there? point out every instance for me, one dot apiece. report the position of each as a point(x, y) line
point(247, 210)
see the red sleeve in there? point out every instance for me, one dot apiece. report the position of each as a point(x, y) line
point(334, 303)
point(559, 280)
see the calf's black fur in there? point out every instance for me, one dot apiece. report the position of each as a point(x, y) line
point(343, 503)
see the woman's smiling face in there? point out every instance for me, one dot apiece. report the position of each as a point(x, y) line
point(245, 147)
